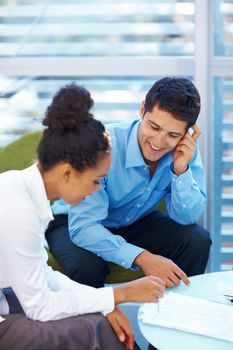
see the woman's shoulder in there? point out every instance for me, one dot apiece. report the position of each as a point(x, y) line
point(12, 189)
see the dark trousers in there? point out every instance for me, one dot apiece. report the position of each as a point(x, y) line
point(86, 332)
point(186, 245)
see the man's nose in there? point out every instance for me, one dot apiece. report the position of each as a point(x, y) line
point(160, 140)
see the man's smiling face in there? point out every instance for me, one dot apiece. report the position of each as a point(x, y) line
point(159, 133)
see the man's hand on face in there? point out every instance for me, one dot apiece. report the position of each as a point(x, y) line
point(185, 150)
point(159, 266)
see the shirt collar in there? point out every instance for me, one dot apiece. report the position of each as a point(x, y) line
point(133, 153)
point(36, 188)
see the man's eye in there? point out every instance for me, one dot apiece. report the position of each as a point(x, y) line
point(173, 136)
point(154, 128)
point(96, 182)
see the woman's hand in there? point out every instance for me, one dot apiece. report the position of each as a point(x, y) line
point(146, 289)
point(122, 328)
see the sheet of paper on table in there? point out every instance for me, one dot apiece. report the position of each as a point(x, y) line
point(191, 314)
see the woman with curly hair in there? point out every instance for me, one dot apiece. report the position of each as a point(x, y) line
point(44, 308)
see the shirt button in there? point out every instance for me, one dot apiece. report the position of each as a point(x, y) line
point(98, 255)
point(127, 219)
point(184, 205)
point(145, 167)
point(180, 182)
point(149, 189)
point(173, 179)
point(123, 263)
point(138, 205)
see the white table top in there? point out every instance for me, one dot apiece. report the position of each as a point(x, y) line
point(211, 286)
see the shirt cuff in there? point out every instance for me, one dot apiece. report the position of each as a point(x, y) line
point(110, 301)
point(183, 181)
point(127, 254)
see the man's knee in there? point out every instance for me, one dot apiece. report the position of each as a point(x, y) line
point(195, 248)
point(199, 239)
point(80, 264)
point(90, 270)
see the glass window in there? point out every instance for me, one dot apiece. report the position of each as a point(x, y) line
point(223, 174)
point(94, 28)
point(24, 100)
point(223, 29)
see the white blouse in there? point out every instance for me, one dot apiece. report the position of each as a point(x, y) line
point(43, 293)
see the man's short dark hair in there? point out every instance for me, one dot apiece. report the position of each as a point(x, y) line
point(177, 96)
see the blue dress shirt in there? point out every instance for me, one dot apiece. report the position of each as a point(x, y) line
point(129, 193)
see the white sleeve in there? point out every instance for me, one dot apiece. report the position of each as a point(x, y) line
point(44, 294)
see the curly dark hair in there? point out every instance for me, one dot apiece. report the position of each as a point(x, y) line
point(72, 134)
point(177, 96)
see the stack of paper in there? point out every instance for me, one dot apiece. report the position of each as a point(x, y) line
point(191, 314)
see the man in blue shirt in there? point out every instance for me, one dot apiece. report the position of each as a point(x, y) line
point(154, 158)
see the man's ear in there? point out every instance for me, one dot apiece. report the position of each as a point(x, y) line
point(142, 109)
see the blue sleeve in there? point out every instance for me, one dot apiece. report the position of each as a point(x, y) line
point(187, 199)
point(87, 232)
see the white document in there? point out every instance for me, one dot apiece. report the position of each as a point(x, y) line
point(191, 314)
